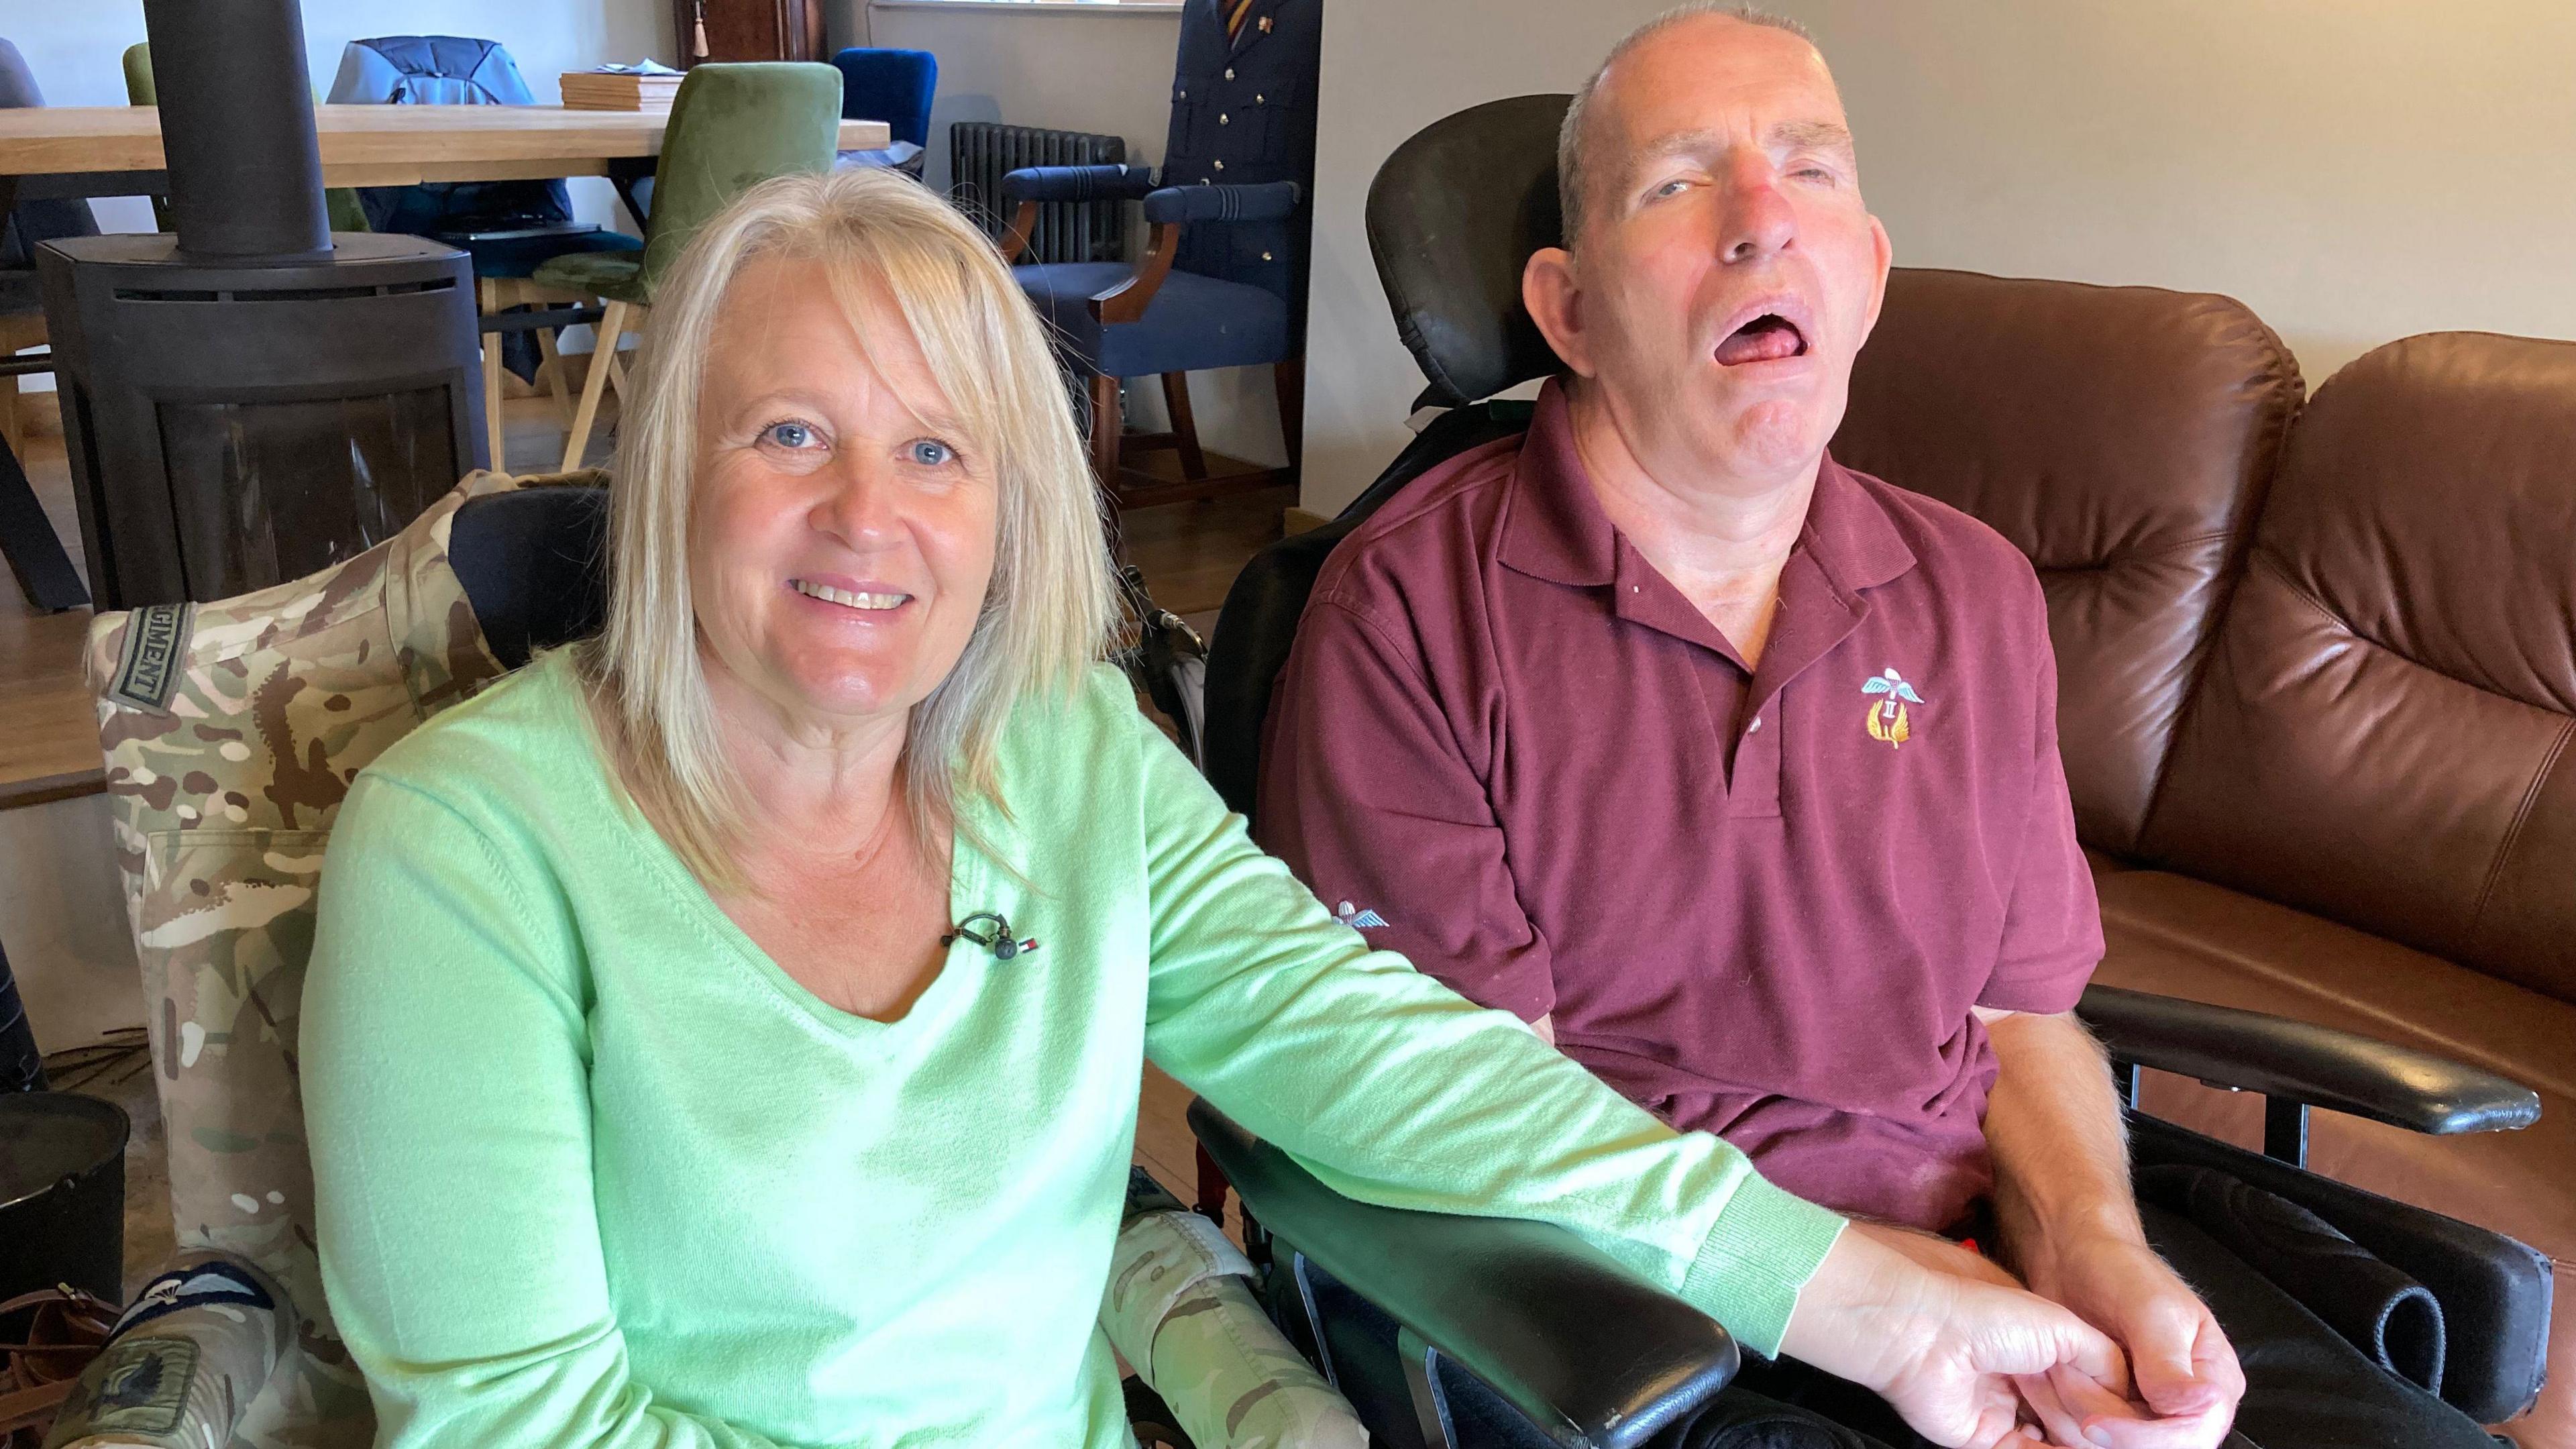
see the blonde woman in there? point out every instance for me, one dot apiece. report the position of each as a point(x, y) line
point(655, 1097)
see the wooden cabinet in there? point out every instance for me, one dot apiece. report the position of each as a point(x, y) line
point(750, 30)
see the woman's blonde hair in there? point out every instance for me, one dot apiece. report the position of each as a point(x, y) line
point(1046, 614)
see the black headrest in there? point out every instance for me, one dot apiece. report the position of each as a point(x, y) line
point(534, 564)
point(1452, 217)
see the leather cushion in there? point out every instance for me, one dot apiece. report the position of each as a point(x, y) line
point(1194, 322)
point(1453, 215)
point(2382, 734)
point(2188, 938)
point(2122, 437)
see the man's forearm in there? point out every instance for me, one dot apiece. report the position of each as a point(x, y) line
point(2060, 1155)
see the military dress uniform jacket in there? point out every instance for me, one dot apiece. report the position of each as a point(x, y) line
point(1243, 113)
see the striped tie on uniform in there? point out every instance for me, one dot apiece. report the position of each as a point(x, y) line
point(1234, 22)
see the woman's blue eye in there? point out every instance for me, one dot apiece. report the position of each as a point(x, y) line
point(790, 435)
point(930, 452)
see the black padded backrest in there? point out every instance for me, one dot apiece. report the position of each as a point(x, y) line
point(534, 564)
point(1452, 217)
point(1259, 621)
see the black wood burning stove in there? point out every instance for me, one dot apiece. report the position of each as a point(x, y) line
point(255, 397)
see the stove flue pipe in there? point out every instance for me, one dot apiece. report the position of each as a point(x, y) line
point(237, 127)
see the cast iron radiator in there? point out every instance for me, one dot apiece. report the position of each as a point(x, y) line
point(981, 153)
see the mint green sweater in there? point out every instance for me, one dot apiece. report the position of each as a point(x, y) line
point(592, 1170)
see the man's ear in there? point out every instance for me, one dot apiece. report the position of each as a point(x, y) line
point(1878, 290)
point(1555, 303)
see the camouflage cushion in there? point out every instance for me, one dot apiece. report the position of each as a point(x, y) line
point(231, 732)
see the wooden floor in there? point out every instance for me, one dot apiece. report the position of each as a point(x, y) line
point(48, 734)
point(1189, 552)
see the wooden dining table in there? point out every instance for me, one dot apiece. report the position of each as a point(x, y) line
point(116, 150)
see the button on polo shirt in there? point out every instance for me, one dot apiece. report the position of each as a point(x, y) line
point(1759, 901)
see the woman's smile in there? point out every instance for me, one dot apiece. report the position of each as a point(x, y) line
point(865, 599)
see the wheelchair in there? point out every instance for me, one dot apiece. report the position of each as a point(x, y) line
point(1457, 308)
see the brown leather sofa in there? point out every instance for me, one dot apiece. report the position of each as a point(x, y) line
point(2317, 672)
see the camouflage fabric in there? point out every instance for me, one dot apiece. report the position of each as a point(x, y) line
point(198, 1342)
point(231, 732)
point(1233, 1380)
point(1180, 1310)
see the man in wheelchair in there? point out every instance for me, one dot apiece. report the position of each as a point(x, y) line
point(1735, 773)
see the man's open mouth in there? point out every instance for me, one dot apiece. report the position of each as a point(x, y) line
point(1766, 338)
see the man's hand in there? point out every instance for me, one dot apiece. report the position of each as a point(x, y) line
point(2180, 1361)
point(2065, 1217)
point(1949, 1352)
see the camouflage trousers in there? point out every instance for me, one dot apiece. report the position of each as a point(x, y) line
point(1180, 1310)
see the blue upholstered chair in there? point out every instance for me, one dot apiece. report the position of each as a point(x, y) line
point(896, 87)
point(510, 228)
point(1223, 283)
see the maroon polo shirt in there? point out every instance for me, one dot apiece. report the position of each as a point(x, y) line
point(1757, 901)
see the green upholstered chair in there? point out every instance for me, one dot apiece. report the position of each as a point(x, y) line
point(340, 201)
point(733, 126)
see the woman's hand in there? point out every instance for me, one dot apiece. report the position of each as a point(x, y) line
point(1939, 1254)
point(1945, 1349)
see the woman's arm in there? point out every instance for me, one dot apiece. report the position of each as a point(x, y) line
point(1395, 1090)
point(446, 1094)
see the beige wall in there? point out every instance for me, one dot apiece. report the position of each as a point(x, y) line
point(62, 921)
point(2355, 170)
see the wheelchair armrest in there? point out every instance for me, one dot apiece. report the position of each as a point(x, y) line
point(1264, 201)
point(2300, 1062)
point(1581, 1347)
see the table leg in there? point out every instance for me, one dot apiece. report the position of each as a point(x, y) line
point(27, 539)
point(627, 173)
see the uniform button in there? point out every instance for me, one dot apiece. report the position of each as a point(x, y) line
point(1229, 72)
point(1223, 119)
point(1207, 181)
point(1260, 100)
point(1265, 256)
point(1185, 95)
point(1220, 166)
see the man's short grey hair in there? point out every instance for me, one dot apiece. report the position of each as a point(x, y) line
point(1570, 162)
